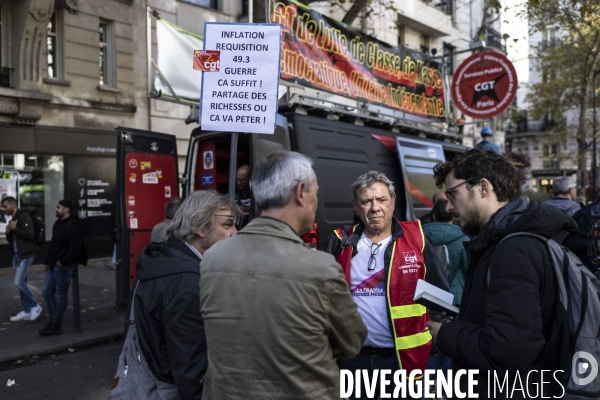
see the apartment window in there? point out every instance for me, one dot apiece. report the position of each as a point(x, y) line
point(550, 155)
point(55, 47)
point(424, 45)
point(5, 72)
point(107, 54)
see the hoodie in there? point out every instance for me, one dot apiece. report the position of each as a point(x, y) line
point(451, 236)
point(167, 312)
point(504, 325)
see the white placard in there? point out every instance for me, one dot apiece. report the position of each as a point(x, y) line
point(242, 96)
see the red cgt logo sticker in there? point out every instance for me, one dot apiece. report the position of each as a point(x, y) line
point(207, 60)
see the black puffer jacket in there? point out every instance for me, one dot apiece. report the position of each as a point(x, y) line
point(504, 326)
point(167, 311)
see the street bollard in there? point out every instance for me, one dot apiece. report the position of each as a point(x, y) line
point(76, 308)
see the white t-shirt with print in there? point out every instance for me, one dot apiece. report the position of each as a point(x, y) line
point(369, 292)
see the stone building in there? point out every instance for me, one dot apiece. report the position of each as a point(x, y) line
point(71, 72)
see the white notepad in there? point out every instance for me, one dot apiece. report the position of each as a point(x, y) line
point(434, 298)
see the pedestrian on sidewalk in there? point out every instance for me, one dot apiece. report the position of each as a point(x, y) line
point(564, 192)
point(64, 254)
point(20, 234)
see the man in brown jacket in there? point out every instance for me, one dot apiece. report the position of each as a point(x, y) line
point(276, 312)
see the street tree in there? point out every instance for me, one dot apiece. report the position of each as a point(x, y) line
point(567, 66)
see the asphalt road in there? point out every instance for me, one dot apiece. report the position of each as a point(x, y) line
point(84, 374)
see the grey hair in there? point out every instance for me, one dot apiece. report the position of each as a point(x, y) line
point(197, 212)
point(369, 179)
point(275, 177)
point(562, 184)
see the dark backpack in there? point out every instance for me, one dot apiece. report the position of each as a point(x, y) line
point(575, 332)
point(39, 230)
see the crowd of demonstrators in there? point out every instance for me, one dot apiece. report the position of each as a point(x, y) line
point(257, 314)
point(64, 254)
point(20, 234)
point(382, 260)
point(564, 193)
point(159, 232)
point(167, 295)
point(509, 298)
point(276, 312)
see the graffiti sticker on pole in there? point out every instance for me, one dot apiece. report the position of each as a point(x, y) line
point(242, 96)
point(484, 85)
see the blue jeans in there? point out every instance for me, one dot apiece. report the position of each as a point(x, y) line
point(21, 268)
point(56, 289)
point(440, 362)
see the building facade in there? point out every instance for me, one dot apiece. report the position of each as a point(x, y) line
point(71, 71)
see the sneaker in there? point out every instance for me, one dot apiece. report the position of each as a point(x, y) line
point(50, 329)
point(21, 316)
point(35, 312)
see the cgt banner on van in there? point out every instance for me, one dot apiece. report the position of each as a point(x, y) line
point(324, 54)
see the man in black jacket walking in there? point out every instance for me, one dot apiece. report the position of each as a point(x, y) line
point(167, 300)
point(508, 302)
point(62, 259)
point(20, 235)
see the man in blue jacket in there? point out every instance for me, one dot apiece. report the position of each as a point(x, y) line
point(486, 144)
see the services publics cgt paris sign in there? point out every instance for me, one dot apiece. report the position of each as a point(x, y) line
point(484, 85)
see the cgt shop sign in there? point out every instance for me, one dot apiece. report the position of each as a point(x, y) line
point(484, 85)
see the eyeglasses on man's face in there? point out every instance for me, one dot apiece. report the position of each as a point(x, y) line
point(450, 192)
point(372, 260)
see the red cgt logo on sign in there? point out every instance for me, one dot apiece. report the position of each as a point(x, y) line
point(207, 60)
point(484, 85)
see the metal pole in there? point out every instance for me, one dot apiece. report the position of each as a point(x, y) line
point(76, 307)
point(594, 166)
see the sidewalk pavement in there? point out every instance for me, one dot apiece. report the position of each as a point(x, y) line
point(100, 321)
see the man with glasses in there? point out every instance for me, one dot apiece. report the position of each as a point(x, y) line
point(509, 297)
point(382, 260)
point(167, 298)
point(564, 190)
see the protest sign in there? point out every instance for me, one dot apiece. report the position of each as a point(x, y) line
point(242, 96)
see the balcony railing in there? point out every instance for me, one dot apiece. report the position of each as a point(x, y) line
point(6, 77)
point(547, 44)
point(443, 5)
point(494, 38)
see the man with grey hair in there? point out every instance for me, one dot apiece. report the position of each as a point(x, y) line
point(382, 260)
point(167, 306)
point(564, 190)
point(277, 312)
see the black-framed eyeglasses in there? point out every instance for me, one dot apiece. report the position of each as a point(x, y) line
point(450, 192)
point(236, 219)
point(372, 260)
